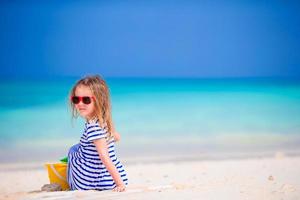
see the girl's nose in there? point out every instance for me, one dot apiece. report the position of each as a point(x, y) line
point(80, 104)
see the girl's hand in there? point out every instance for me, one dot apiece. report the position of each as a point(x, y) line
point(119, 188)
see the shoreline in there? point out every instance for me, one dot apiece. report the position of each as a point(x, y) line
point(134, 160)
point(154, 153)
point(131, 159)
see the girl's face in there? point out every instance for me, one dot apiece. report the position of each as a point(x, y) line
point(85, 110)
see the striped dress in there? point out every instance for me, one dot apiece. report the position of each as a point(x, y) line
point(85, 169)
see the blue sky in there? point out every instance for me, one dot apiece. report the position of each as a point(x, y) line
point(150, 38)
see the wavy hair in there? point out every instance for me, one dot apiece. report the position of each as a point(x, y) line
point(101, 92)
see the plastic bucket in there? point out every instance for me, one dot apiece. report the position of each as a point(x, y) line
point(57, 173)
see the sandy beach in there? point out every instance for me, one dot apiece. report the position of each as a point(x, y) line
point(267, 177)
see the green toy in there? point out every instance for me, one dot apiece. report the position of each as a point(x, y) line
point(64, 160)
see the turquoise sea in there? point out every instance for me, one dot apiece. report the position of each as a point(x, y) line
point(155, 116)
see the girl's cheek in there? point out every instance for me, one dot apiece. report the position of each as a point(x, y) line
point(76, 106)
point(92, 106)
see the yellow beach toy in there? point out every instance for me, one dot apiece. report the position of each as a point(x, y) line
point(57, 173)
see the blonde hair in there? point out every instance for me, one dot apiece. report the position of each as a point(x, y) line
point(100, 91)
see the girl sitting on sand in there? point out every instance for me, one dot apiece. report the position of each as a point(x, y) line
point(92, 164)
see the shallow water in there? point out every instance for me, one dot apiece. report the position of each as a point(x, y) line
point(155, 115)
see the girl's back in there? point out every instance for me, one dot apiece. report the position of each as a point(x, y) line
point(93, 164)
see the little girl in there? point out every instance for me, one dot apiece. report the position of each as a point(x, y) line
point(92, 164)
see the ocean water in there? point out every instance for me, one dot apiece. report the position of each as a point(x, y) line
point(155, 116)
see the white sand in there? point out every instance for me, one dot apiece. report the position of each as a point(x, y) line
point(272, 178)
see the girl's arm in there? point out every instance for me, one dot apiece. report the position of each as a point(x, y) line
point(102, 150)
point(117, 136)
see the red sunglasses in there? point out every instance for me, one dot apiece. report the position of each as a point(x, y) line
point(84, 99)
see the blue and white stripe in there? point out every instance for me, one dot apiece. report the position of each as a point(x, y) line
point(85, 168)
